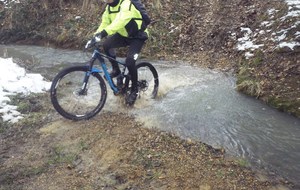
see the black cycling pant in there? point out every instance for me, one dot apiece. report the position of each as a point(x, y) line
point(134, 48)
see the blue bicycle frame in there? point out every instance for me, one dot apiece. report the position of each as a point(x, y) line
point(100, 56)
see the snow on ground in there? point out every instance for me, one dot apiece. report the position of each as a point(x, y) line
point(15, 80)
point(248, 43)
point(7, 3)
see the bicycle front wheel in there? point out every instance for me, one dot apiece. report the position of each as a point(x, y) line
point(70, 100)
point(148, 81)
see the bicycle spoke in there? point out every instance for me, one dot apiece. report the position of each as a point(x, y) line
point(73, 103)
point(148, 80)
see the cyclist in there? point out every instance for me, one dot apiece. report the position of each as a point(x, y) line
point(122, 23)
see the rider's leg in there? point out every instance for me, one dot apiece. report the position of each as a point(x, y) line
point(135, 47)
point(109, 44)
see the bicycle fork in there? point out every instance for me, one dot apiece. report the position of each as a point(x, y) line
point(83, 90)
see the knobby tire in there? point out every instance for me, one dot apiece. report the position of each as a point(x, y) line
point(68, 102)
point(148, 74)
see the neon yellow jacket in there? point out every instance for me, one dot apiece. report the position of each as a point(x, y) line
point(124, 19)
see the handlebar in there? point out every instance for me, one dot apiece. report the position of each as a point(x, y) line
point(92, 42)
point(95, 42)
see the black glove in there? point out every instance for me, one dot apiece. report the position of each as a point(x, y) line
point(101, 34)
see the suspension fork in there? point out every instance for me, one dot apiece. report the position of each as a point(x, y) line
point(83, 90)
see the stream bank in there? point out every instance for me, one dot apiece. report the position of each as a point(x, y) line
point(113, 151)
point(208, 39)
point(209, 122)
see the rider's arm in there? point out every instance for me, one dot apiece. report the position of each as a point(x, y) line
point(121, 20)
point(105, 21)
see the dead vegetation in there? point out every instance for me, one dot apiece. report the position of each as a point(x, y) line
point(197, 31)
point(44, 152)
point(113, 151)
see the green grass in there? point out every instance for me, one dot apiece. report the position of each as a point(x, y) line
point(60, 156)
point(3, 126)
point(285, 105)
point(250, 87)
point(83, 145)
point(242, 162)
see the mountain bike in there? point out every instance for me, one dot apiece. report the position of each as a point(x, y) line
point(80, 92)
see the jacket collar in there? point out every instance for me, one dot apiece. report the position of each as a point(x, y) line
point(115, 3)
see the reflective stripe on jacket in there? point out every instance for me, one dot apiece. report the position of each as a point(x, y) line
point(124, 19)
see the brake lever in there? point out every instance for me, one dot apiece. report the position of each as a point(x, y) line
point(92, 42)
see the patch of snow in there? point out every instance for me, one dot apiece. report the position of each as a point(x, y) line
point(245, 42)
point(291, 45)
point(272, 11)
point(15, 80)
point(248, 55)
point(281, 38)
point(8, 2)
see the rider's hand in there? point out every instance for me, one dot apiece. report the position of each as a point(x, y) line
point(101, 34)
point(97, 39)
point(89, 43)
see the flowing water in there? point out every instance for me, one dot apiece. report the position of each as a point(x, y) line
point(200, 104)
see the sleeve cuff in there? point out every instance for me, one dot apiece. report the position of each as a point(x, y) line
point(103, 34)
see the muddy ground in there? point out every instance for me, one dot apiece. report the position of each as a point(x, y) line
point(113, 151)
point(198, 31)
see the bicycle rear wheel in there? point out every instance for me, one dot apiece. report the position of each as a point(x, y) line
point(148, 81)
point(68, 98)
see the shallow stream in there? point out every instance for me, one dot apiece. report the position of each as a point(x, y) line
point(199, 104)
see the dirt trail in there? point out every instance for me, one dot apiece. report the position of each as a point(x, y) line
point(113, 151)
